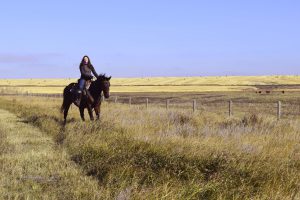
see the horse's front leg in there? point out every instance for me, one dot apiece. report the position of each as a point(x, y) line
point(89, 107)
point(97, 111)
point(81, 109)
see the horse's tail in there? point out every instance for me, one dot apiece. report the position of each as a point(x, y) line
point(62, 108)
point(66, 95)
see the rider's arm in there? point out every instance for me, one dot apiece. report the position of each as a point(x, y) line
point(94, 71)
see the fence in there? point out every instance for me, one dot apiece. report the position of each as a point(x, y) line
point(192, 104)
point(195, 104)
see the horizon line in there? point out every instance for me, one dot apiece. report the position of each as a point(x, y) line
point(197, 76)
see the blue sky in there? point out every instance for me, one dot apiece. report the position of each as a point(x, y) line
point(139, 38)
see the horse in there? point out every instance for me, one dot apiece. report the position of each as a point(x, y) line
point(101, 84)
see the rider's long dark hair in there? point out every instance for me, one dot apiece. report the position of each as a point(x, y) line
point(82, 62)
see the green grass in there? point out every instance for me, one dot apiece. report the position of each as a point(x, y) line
point(158, 154)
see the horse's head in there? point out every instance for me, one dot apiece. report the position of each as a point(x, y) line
point(104, 83)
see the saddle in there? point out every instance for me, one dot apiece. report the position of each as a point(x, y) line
point(85, 93)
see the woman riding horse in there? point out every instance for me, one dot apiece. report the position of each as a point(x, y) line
point(86, 69)
point(92, 101)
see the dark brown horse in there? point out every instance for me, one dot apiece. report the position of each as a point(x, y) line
point(101, 84)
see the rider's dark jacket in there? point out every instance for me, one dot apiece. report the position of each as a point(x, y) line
point(86, 71)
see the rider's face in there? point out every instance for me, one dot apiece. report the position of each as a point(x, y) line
point(86, 59)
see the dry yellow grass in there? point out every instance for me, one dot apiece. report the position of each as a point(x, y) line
point(33, 167)
point(176, 154)
point(156, 84)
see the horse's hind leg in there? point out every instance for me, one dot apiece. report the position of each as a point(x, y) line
point(66, 110)
point(90, 112)
point(81, 110)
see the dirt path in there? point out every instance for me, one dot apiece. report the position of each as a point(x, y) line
point(33, 167)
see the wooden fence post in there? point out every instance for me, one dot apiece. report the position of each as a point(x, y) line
point(147, 103)
point(194, 105)
point(167, 104)
point(230, 108)
point(129, 101)
point(278, 110)
point(116, 99)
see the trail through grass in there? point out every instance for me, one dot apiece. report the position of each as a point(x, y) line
point(33, 167)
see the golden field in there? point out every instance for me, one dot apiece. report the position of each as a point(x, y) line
point(160, 84)
point(154, 153)
point(139, 152)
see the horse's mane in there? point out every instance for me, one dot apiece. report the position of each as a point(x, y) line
point(95, 87)
point(102, 77)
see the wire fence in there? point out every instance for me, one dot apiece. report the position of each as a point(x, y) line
point(224, 107)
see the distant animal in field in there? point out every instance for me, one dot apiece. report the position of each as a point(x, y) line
point(268, 91)
point(282, 91)
point(101, 84)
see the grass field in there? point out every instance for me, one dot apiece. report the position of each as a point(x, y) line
point(34, 167)
point(163, 84)
point(136, 153)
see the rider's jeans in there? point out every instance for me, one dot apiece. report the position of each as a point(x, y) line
point(81, 84)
